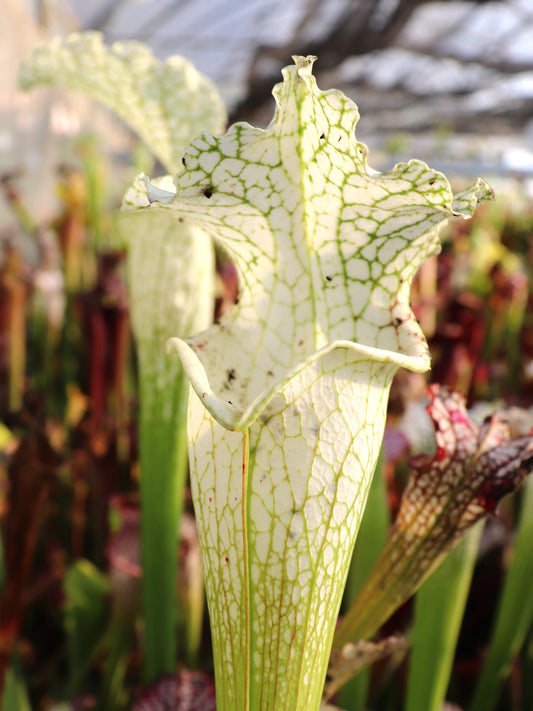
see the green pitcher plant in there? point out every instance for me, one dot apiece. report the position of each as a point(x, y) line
point(291, 386)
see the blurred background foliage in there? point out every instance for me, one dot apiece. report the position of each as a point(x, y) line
point(450, 82)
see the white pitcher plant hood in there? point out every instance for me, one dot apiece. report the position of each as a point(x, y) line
point(164, 103)
point(293, 382)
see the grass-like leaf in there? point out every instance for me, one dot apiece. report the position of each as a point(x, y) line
point(515, 613)
point(439, 608)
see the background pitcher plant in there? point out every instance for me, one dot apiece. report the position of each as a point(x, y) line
point(170, 269)
point(291, 386)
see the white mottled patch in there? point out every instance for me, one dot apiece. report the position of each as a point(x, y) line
point(262, 515)
point(208, 161)
point(282, 498)
point(357, 269)
point(359, 295)
point(297, 525)
point(381, 298)
point(340, 511)
point(390, 283)
point(291, 567)
point(391, 247)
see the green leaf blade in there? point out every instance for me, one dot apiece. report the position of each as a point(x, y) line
point(439, 608)
point(170, 271)
point(514, 616)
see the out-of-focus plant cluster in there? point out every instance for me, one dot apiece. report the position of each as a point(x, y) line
point(479, 318)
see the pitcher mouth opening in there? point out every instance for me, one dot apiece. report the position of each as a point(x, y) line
point(231, 417)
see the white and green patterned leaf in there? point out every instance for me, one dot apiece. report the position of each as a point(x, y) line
point(300, 369)
point(165, 103)
point(170, 264)
point(326, 248)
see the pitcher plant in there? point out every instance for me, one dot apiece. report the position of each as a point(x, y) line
point(291, 386)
